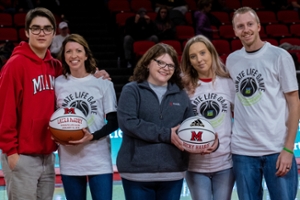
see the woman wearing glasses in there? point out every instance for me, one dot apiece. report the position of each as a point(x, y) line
point(151, 159)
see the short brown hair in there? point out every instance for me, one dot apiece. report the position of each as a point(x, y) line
point(42, 12)
point(141, 71)
point(90, 62)
point(244, 10)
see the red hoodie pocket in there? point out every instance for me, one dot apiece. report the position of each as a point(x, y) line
point(38, 140)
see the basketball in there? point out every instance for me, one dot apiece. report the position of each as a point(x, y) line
point(196, 133)
point(66, 124)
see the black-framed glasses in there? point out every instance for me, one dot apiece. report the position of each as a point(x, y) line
point(162, 64)
point(35, 30)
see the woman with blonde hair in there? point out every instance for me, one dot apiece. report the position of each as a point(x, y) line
point(211, 92)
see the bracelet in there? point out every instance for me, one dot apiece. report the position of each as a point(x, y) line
point(288, 150)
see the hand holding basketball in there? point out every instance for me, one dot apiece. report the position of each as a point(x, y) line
point(66, 124)
point(214, 147)
point(197, 134)
point(208, 150)
point(175, 139)
point(86, 138)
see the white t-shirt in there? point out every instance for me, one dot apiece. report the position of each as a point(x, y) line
point(261, 78)
point(95, 98)
point(213, 100)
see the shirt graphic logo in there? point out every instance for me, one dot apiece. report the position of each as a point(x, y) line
point(211, 106)
point(249, 86)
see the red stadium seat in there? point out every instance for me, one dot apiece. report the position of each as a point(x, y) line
point(255, 4)
point(215, 33)
point(22, 35)
point(135, 5)
point(6, 20)
point(140, 47)
point(8, 34)
point(222, 46)
point(267, 17)
point(262, 32)
point(278, 30)
point(295, 30)
point(293, 41)
point(184, 32)
point(175, 44)
point(233, 4)
point(288, 16)
point(121, 6)
point(122, 17)
point(192, 5)
point(271, 41)
point(152, 15)
point(189, 18)
point(19, 19)
point(236, 44)
point(227, 32)
point(222, 16)
point(223, 58)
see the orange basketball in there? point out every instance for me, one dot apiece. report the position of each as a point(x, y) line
point(66, 124)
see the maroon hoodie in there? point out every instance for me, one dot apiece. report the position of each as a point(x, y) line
point(27, 101)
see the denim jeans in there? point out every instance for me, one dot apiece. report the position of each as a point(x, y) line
point(249, 172)
point(100, 186)
point(155, 190)
point(210, 186)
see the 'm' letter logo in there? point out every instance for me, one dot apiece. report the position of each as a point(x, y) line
point(196, 136)
point(69, 111)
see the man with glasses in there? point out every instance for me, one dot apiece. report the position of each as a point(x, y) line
point(28, 101)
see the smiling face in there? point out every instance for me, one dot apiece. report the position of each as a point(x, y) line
point(75, 56)
point(246, 28)
point(159, 75)
point(39, 43)
point(201, 60)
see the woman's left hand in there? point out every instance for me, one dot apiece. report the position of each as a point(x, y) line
point(102, 73)
point(214, 147)
point(208, 150)
point(175, 139)
point(86, 138)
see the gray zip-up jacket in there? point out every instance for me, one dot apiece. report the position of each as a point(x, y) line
point(146, 126)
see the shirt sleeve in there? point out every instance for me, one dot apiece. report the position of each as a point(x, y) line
point(11, 98)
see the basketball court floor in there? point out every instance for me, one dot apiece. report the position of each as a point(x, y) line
point(118, 193)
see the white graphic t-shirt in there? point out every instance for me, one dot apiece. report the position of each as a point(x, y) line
point(213, 101)
point(95, 98)
point(260, 79)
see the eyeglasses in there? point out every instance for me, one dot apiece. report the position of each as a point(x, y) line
point(35, 30)
point(162, 64)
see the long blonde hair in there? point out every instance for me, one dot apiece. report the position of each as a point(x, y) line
point(190, 75)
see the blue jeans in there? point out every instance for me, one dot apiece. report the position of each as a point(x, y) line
point(155, 190)
point(249, 172)
point(210, 186)
point(100, 186)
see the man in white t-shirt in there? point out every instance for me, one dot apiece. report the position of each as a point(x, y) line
point(265, 113)
point(58, 39)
